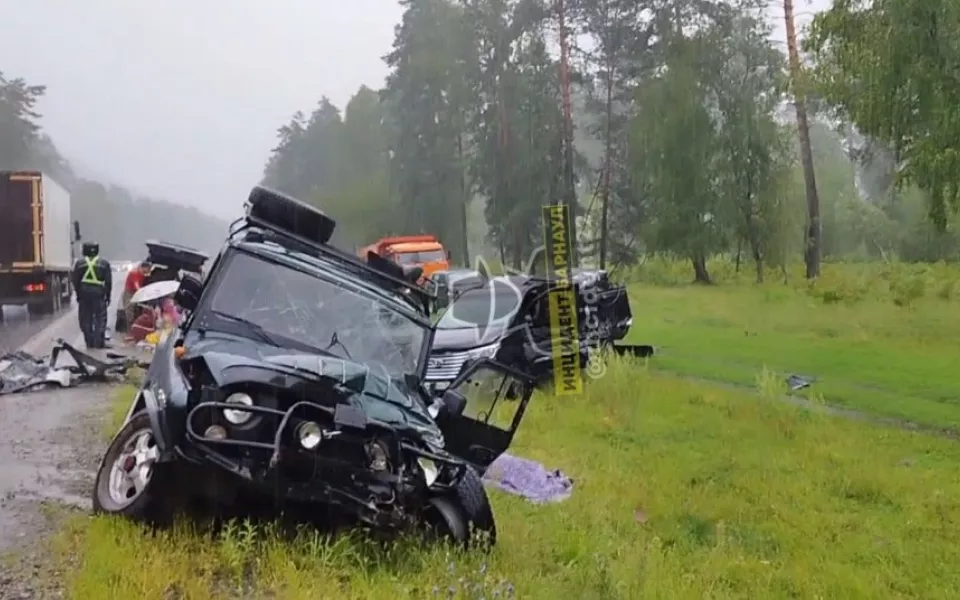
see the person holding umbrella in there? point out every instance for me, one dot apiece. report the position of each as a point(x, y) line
point(159, 309)
point(136, 278)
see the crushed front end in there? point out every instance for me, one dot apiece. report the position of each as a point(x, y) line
point(306, 451)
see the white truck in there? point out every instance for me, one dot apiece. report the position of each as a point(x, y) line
point(37, 242)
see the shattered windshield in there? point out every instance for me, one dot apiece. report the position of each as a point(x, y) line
point(284, 306)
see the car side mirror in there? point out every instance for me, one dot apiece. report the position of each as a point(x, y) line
point(454, 403)
point(76, 231)
point(188, 294)
point(449, 403)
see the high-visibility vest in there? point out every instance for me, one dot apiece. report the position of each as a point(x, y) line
point(90, 275)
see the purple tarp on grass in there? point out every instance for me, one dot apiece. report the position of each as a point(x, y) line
point(528, 479)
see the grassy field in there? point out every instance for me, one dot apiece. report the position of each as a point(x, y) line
point(685, 488)
point(880, 341)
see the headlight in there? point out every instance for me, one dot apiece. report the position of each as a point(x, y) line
point(215, 432)
point(238, 417)
point(379, 460)
point(485, 351)
point(160, 396)
point(430, 471)
point(309, 434)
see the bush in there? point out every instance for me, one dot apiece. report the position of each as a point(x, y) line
point(900, 283)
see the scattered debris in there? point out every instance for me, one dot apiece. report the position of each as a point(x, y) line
point(22, 372)
point(799, 382)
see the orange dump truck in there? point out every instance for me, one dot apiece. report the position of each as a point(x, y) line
point(423, 251)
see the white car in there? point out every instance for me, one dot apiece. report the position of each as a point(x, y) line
point(122, 266)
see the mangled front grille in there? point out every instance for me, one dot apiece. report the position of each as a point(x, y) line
point(314, 452)
point(447, 365)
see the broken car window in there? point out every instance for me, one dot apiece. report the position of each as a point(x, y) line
point(295, 305)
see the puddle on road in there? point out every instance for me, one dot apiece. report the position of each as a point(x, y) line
point(70, 487)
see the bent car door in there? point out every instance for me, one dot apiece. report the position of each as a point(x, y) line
point(497, 397)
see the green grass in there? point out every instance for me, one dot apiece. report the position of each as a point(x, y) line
point(869, 355)
point(684, 488)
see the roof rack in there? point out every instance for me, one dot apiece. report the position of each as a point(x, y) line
point(296, 221)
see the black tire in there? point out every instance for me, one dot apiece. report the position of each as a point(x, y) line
point(39, 309)
point(148, 506)
point(67, 291)
point(56, 295)
point(464, 515)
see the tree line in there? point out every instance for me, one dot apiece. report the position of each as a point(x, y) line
point(683, 136)
point(118, 219)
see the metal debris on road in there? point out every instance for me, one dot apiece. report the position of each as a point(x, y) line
point(23, 372)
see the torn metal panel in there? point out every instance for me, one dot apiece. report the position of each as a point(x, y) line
point(23, 372)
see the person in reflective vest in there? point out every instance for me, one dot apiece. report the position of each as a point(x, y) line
point(93, 282)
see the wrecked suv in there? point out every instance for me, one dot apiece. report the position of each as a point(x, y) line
point(297, 379)
point(508, 318)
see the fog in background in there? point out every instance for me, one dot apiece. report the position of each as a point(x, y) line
point(181, 99)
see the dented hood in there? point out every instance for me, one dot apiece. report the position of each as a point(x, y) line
point(381, 396)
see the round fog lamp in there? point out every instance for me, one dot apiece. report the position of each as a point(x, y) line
point(309, 434)
point(238, 417)
point(215, 432)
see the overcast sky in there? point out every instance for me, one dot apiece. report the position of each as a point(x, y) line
point(181, 99)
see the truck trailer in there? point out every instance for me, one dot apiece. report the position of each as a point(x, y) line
point(37, 242)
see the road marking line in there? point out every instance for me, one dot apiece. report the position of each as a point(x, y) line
point(41, 343)
point(35, 344)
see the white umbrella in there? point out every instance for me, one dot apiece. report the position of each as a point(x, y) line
point(155, 291)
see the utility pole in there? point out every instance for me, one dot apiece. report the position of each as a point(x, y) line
point(569, 190)
point(811, 249)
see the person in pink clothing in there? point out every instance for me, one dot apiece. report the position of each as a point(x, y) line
point(169, 313)
point(165, 316)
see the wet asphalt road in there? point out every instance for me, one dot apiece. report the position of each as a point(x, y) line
point(18, 327)
point(50, 441)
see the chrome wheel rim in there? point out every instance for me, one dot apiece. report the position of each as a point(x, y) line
point(132, 470)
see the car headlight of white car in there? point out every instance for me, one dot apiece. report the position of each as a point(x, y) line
point(489, 351)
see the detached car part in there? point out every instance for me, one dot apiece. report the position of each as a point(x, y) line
point(23, 372)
